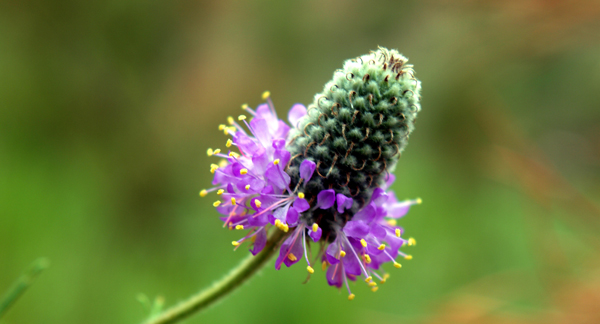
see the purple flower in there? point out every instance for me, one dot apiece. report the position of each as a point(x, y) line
point(258, 191)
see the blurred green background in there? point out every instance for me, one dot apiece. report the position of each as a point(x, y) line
point(107, 109)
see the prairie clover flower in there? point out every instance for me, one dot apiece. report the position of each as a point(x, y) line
point(325, 176)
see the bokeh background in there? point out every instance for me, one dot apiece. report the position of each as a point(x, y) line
point(107, 109)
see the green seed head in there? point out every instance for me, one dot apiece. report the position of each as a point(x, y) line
point(356, 128)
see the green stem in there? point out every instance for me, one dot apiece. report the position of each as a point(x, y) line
point(22, 283)
point(221, 288)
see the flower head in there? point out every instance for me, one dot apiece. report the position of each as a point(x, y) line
point(325, 176)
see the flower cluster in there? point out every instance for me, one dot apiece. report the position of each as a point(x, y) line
point(255, 194)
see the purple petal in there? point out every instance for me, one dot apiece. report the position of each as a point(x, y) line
point(292, 245)
point(334, 276)
point(281, 213)
point(356, 229)
point(307, 168)
point(279, 144)
point(367, 214)
point(326, 198)
point(260, 129)
point(389, 181)
point(276, 177)
point(292, 217)
point(316, 236)
point(301, 205)
point(260, 241)
point(379, 197)
point(343, 202)
point(296, 113)
point(378, 231)
point(332, 253)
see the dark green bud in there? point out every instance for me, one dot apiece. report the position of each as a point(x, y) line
point(355, 130)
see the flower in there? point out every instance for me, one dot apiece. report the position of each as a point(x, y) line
point(325, 176)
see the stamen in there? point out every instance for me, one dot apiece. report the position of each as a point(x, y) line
point(247, 187)
point(315, 227)
point(342, 253)
point(229, 142)
point(234, 155)
point(241, 117)
point(239, 227)
point(385, 278)
point(310, 269)
point(203, 193)
point(363, 242)
point(217, 151)
point(398, 232)
point(367, 259)
point(230, 120)
point(412, 241)
point(217, 203)
point(210, 152)
point(324, 265)
point(374, 289)
point(368, 279)
point(301, 195)
point(235, 243)
point(351, 297)
point(292, 257)
point(372, 284)
point(392, 222)
point(266, 95)
point(381, 247)
point(259, 204)
point(276, 162)
point(397, 265)
point(419, 201)
point(232, 200)
point(220, 192)
point(213, 168)
point(408, 257)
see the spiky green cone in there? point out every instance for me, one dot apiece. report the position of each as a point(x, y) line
point(355, 130)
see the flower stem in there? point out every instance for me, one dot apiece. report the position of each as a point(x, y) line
point(221, 288)
point(22, 283)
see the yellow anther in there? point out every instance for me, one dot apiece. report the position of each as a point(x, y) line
point(217, 203)
point(419, 201)
point(210, 152)
point(229, 142)
point(239, 227)
point(392, 222)
point(385, 276)
point(324, 265)
point(292, 257)
point(374, 289)
point(223, 163)
point(243, 171)
point(372, 284)
point(241, 117)
point(301, 195)
point(230, 120)
point(342, 254)
point(408, 257)
point(285, 228)
point(253, 239)
point(233, 154)
point(266, 95)
point(310, 269)
point(383, 280)
point(398, 232)
point(363, 242)
point(277, 222)
point(220, 192)
point(222, 127)
point(368, 279)
point(235, 243)
point(247, 187)
point(245, 106)
point(276, 162)
point(315, 227)
point(203, 193)
point(351, 297)
point(397, 265)
point(412, 241)
point(217, 151)
point(259, 204)
point(381, 247)
point(213, 168)
point(232, 201)
point(367, 259)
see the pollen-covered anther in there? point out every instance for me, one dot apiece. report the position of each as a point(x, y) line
point(229, 143)
point(213, 168)
point(301, 195)
point(222, 127)
point(419, 201)
point(230, 120)
point(385, 278)
point(276, 162)
point(217, 151)
point(398, 232)
point(243, 171)
point(245, 106)
point(363, 242)
point(351, 297)
point(374, 289)
point(412, 241)
point(372, 284)
point(392, 222)
point(203, 193)
point(315, 227)
point(324, 265)
point(239, 227)
point(342, 254)
point(381, 247)
point(408, 257)
point(266, 95)
point(210, 152)
point(233, 154)
point(310, 269)
point(397, 265)
point(220, 192)
point(235, 243)
point(259, 204)
point(367, 259)
point(241, 117)
point(247, 187)
point(217, 203)
point(368, 279)
point(292, 257)
point(233, 201)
